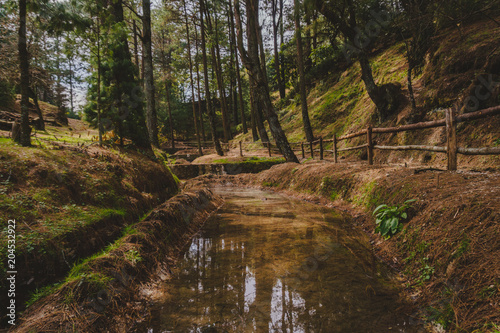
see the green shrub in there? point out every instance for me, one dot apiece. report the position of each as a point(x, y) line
point(388, 219)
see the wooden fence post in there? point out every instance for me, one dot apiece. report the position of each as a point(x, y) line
point(321, 148)
point(370, 145)
point(312, 150)
point(241, 150)
point(269, 148)
point(303, 151)
point(335, 147)
point(451, 139)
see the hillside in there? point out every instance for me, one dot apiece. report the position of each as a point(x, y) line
point(70, 199)
point(455, 71)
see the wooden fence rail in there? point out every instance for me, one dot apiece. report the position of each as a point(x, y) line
point(451, 149)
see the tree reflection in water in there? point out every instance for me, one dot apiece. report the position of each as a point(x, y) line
point(266, 263)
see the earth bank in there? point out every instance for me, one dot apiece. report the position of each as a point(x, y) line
point(105, 293)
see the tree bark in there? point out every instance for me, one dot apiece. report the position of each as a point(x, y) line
point(232, 73)
point(136, 48)
point(253, 108)
point(252, 63)
point(237, 74)
point(281, 58)
point(170, 120)
point(41, 123)
point(99, 125)
point(302, 82)
point(25, 138)
point(195, 117)
point(281, 87)
point(217, 66)
point(210, 111)
point(200, 110)
point(151, 117)
point(257, 105)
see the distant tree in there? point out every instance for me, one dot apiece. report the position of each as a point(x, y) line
point(302, 81)
point(417, 28)
point(151, 117)
point(210, 110)
point(252, 62)
point(195, 116)
point(25, 137)
point(349, 17)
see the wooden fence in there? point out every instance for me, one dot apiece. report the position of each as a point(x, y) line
point(451, 149)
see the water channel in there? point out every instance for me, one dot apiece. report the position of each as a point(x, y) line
point(267, 263)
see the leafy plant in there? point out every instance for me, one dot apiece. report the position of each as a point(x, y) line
point(388, 219)
point(425, 271)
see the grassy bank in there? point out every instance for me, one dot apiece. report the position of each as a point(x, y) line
point(103, 293)
point(69, 203)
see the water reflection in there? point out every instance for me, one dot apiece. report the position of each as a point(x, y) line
point(269, 264)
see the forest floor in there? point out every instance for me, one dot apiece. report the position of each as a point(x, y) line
point(448, 254)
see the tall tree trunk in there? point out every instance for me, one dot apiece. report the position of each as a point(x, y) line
point(302, 82)
point(99, 124)
point(217, 66)
point(257, 46)
point(25, 138)
point(210, 111)
point(256, 106)
point(151, 117)
point(170, 120)
point(281, 87)
point(41, 123)
point(71, 86)
point(131, 120)
point(136, 46)
point(252, 63)
point(282, 42)
point(195, 117)
point(232, 76)
point(237, 63)
point(253, 108)
point(200, 109)
point(306, 49)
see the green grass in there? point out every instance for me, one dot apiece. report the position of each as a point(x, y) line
point(253, 159)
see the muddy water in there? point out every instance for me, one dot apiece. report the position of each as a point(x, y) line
point(266, 263)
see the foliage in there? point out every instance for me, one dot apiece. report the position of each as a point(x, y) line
point(388, 218)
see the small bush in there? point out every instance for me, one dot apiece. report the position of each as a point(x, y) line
point(388, 219)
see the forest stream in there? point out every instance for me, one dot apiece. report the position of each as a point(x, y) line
point(267, 263)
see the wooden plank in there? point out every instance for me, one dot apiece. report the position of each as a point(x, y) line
point(479, 114)
point(479, 151)
point(417, 126)
point(451, 139)
point(321, 148)
point(413, 147)
point(352, 135)
point(335, 153)
point(353, 148)
point(369, 144)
